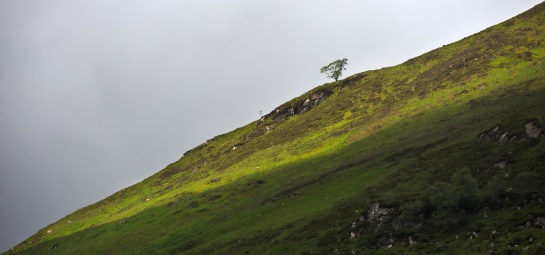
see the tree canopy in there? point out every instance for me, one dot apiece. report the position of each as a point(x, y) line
point(334, 69)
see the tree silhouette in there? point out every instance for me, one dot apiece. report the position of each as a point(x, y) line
point(334, 69)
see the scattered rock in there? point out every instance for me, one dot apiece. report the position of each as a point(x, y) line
point(49, 231)
point(525, 226)
point(501, 136)
point(472, 235)
point(353, 224)
point(486, 211)
point(501, 164)
point(411, 240)
point(495, 132)
point(504, 138)
point(540, 221)
point(493, 233)
point(294, 194)
point(387, 242)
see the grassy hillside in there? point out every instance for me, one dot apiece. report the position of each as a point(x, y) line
point(444, 154)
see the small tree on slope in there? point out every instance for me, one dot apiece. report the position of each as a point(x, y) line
point(334, 69)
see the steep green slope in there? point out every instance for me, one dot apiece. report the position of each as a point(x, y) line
point(441, 154)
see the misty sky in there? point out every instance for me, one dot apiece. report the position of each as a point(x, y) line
point(97, 95)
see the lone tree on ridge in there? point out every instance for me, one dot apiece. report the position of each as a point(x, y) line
point(334, 69)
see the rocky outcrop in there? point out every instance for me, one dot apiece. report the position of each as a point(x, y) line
point(301, 106)
point(499, 135)
point(378, 214)
point(382, 222)
point(532, 130)
point(375, 217)
point(496, 134)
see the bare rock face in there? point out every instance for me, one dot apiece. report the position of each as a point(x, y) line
point(378, 214)
point(532, 129)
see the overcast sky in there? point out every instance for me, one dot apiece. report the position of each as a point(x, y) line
point(97, 95)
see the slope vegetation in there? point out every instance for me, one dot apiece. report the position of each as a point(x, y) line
point(444, 153)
